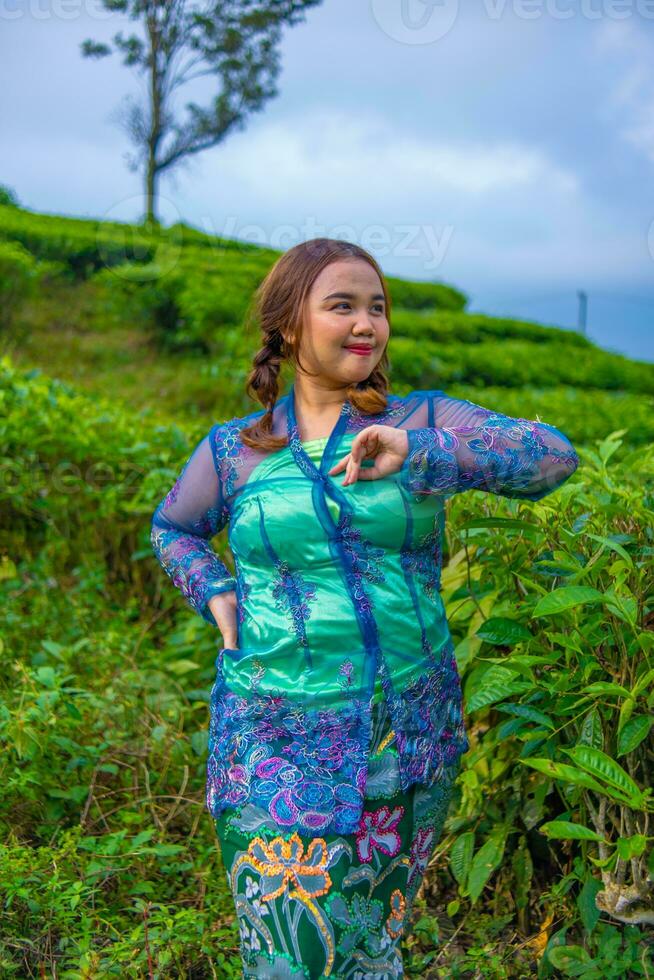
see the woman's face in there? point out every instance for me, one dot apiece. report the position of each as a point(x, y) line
point(345, 307)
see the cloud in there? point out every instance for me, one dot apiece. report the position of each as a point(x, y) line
point(630, 105)
point(337, 152)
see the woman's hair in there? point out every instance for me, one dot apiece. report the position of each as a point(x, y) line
point(279, 304)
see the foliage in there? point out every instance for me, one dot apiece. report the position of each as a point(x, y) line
point(18, 278)
point(8, 197)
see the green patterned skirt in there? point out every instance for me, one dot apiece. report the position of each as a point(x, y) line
point(335, 905)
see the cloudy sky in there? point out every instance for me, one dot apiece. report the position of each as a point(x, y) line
point(504, 147)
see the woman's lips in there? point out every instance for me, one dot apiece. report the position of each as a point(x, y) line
point(360, 350)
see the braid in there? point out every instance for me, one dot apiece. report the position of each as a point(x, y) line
point(263, 385)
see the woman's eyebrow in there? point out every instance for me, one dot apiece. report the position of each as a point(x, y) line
point(350, 296)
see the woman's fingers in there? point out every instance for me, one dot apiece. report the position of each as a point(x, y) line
point(364, 444)
point(338, 466)
point(376, 443)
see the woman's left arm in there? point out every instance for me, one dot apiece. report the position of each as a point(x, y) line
point(474, 448)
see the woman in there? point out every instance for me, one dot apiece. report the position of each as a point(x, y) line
point(336, 729)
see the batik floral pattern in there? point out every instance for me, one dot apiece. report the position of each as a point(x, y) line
point(333, 905)
point(377, 831)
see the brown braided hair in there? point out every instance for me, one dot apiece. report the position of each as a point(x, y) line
point(279, 302)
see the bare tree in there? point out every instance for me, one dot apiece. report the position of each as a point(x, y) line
point(236, 41)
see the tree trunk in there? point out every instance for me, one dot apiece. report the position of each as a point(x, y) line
point(155, 119)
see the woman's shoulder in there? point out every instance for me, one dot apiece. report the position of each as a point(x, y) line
point(232, 426)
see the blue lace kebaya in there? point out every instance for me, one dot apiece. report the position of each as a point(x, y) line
point(338, 596)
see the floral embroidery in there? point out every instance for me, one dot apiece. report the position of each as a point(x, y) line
point(421, 850)
point(307, 768)
point(448, 459)
point(424, 560)
point(279, 966)
point(353, 928)
point(320, 766)
point(428, 720)
point(231, 451)
point(395, 921)
point(345, 674)
point(363, 559)
point(377, 830)
point(282, 863)
point(361, 918)
point(292, 595)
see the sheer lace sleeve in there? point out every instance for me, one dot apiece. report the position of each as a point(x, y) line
point(470, 447)
point(190, 514)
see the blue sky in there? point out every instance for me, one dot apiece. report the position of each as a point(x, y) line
point(504, 147)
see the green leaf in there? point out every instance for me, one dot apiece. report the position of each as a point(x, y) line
point(526, 711)
point(564, 773)
point(570, 960)
point(613, 545)
point(626, 711)
point(591, 730)
point(145, 835)
point(486, 860)
point(603, 767)
point(505, 523)
point(629, 847)
point(567, 597)
point(586, 903)
point(461, 856)
point(523, 869)
point(566, 830)
point(606, 687)
point(182, 666)
point(165, 850)
point(633, 733)
point(47, 677)
point(491, 693)
point(643, 683)
point(503, 631)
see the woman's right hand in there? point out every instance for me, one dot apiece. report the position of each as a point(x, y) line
point(224, 611)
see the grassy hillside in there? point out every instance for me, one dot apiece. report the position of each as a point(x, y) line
point(118, 350)
point(158, 322)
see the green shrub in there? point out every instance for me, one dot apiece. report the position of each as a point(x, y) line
point(8, 197)
point(18, 279)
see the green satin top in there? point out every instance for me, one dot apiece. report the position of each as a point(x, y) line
point(297, 633)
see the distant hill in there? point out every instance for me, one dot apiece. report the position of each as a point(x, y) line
point(159, 320)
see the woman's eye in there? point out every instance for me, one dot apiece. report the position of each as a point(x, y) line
point(378, 306)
